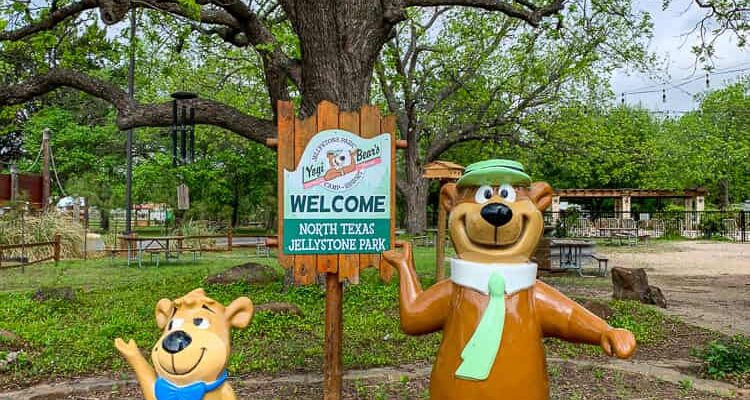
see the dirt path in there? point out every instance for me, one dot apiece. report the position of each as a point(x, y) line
point(571, 379)
point(706, 283)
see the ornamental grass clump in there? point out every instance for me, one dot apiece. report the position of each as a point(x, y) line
point(16, 229)
point(196, 228)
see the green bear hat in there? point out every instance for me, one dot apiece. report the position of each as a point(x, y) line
point(495, 172)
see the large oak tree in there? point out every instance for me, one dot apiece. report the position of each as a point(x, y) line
point(339, 43)
point(322, 50)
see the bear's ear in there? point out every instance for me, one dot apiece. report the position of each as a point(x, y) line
point(448, 195)
point(239, 313)
point(164, 310)
point(541, 194)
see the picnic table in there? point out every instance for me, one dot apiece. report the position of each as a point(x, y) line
point(170, 246)
point(628, 234)
point(572, 255)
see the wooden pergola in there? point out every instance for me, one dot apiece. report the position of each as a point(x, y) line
point(694, 198)
point(445, 172)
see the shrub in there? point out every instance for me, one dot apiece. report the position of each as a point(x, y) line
point(566, 222)
point(712, 224)
point(17, 228)
point(727, 356)
point(195, 228)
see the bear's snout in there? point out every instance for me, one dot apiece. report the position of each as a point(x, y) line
point(497, 214)
point(176, 341)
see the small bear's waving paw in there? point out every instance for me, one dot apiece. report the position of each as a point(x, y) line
point(127, 349)
point(618, 342)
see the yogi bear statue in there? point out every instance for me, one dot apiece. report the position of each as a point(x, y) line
point(493, 311)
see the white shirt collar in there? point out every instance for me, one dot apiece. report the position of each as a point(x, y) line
point(477, 275)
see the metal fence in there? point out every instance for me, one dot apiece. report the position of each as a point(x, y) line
point(729, 225)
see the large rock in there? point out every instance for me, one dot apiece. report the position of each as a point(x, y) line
point(632, 284)
point(250, 273)
point(65, 293)
point(9, 336)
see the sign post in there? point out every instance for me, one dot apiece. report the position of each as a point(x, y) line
point(336, 188)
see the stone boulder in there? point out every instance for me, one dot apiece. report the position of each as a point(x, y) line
point(8, 336)
point(65, 293)
point(279, 308)
point(632, 284)
point(250, 273)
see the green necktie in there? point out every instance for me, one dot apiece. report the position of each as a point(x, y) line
point(479, 354)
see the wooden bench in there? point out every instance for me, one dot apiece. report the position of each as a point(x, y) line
point(157, 253)
point(602, 263)
point(173, 253)
point(113, 253)
point(424, 241)
point(195, 251)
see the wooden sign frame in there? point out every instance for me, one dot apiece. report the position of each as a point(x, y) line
point(293, 136)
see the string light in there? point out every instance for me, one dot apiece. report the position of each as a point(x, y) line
point(648, 89)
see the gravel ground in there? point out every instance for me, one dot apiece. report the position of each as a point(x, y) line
point(706, 283)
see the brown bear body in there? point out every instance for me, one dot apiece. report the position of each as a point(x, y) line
point(495, 230)
point(522, 339)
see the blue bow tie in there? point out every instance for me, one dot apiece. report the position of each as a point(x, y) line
point(166, 390)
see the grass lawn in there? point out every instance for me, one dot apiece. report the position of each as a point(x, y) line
point(72, 338)
point(64, 339)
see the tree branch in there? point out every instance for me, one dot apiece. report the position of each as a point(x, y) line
point(132, 114)
point(440, 147)
point(50, 21)
point(207, 112)
point(478, 131)
point(525, 11)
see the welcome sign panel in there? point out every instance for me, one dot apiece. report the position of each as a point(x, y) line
point(338, 200)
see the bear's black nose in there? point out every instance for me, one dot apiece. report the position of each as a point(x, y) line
point(176, 341)
point(497, 214)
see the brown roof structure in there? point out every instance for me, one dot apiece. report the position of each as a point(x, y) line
point(443, 170)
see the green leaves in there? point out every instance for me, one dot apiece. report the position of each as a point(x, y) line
point(727, 357)
point(192, 8)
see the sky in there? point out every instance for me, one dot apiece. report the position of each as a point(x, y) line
point(673, 47)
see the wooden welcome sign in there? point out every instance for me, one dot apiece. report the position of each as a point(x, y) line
point(337, 206)
point(311, 244)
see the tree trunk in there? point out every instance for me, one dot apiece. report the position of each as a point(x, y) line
point(724, 189)
point(415, 195)
point(340, 42)
point(104, 220)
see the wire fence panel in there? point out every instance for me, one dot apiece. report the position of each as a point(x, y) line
point(728, 225)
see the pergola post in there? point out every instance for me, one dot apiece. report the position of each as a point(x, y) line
point(445, 172)
point(442, 224)
point(555, 209)
point(625, 204)
point(700, 206)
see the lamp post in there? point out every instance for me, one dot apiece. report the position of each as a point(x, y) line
point(129, 144)
point(183, 128)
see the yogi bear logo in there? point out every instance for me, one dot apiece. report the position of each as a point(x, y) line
point(338, 165)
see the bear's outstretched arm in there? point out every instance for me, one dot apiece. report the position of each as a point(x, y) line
point(144, 373)
point(563, 318)
point(421, 311)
